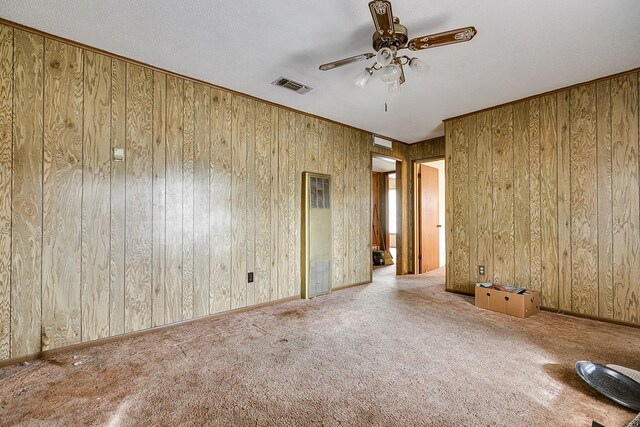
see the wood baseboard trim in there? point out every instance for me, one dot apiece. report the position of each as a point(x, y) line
point(340, 288)
point(455, 291)
point(116, 338)
point(566, 313)
point(589, 317)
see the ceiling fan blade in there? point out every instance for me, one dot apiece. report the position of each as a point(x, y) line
point(441, 39)
point(346, 61)
point(382, 17)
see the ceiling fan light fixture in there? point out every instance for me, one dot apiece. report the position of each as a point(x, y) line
point(363, 77)
point(419, 67)
point(384, 56)
point(389, 38)
point(393, 89)
point(390, 73)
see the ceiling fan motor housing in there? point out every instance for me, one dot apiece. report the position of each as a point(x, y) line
point(398, 40)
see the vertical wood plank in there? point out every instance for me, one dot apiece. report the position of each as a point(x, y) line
point(549, 200)
point(460, 148)
point(584, 200)
point(118, 182)
point(174, 195)
point(285, 140)
point(407, 207)
point(220, 201)
point(350, 196)
point(349, 201)
point(402, 193)
point(187, 201)
point(262, 205)
point(503, 201)
point(448, 169)
point(139, 203)
point(355, 213)
point(62, 196)
point(275, 207)
point(201, 242)
point(96, 196)
point(365, 203)
point(250, 161)
point(470, 130)
point(564, 200)
point(409, 198)
point(359, 239)
point(605, 208)
point(159, 197)
point(26, 249)
point(485, 189)
point(626, 197)
point(363, 206)
point(296, 165)
point(239, 202)
point(312, 143)
point(6, 139)
point(404, 184)
point(338, 208)
point(406, 199)
point(521, 195)
point(534, 193)
point(325, 147)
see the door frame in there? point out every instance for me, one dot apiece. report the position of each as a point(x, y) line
point(416, 208)
point(399, 186)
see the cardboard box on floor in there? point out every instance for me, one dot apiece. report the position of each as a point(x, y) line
point(519, 305)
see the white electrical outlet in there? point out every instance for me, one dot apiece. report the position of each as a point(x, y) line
point(118, 154)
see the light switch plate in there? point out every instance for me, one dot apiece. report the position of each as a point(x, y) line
point(118, 154)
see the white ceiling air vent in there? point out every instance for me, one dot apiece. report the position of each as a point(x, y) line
point(382, 142)
point(290, 84)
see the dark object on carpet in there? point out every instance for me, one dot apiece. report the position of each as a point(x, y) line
point(635, 422)
point(378, 257)
point(616, 386)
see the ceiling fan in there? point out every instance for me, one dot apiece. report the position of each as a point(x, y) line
point(389, 38)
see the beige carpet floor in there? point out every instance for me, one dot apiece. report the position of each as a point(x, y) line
point(400, 351)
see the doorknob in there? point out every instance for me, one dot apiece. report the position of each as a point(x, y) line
point(438, 225)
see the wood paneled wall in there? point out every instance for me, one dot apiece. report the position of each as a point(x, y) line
point(209, 190)
point(545, 193)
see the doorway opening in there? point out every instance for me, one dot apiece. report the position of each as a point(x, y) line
point(385, 235)
point(430, 215)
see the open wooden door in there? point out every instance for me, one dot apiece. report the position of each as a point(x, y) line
point(428, 219)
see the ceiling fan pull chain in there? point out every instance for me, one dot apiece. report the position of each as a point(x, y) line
point(386, 98)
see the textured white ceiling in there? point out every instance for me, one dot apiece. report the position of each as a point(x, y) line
point(522, 48)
